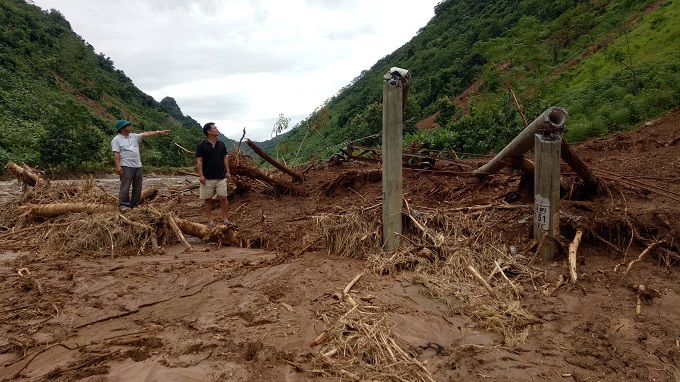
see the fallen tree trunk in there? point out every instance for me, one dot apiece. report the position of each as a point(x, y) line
point(23, 174)
point(148, 194)
point(574, 161)
point(241, 167)
point(56, 209)
point(296, 176)
point(222, 234)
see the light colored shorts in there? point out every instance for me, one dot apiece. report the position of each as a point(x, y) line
point(213, 187)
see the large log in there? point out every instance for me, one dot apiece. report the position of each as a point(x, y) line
point(55, 209)
point(23, 174)
point(223, 234)
point(296, 176)
point(242, 167)
point(574, 161)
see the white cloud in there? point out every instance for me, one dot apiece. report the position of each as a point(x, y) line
point(241, 63)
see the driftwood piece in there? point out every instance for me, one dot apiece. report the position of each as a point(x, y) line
point(573, 246)
point(241, 167)
point(23, 173)
point(55, 209)
point(222, 234)
point(296, 176)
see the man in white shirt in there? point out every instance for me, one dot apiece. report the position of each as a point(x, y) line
point(125, 146)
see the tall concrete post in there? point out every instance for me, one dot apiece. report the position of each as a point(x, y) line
point(547, 151)
point(395, 90)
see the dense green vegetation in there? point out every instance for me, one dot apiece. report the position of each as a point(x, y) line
point(610, 64)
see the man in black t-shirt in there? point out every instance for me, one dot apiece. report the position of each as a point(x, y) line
point(212, 161)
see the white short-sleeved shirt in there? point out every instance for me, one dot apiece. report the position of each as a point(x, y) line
point(128, 147)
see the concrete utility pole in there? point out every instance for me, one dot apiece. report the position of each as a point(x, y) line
point(547, 151)
point(395, 89)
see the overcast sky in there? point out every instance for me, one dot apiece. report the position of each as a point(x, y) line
point(241, 63)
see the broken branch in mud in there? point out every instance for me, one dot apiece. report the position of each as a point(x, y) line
point(296, 176)
point(573, 246)
point(483, 282)
point(560, 281)
point(179, 234)
point(345, 292)
point(649, 248)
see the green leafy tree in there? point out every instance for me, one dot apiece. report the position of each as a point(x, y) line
point(70, 142)
point(280, 125)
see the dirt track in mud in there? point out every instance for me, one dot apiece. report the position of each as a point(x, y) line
point(237, 314)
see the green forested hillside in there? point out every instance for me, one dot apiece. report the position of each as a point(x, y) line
point(59, 100)
point(610, 64)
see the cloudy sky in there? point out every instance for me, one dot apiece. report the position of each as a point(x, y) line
point(241, 63)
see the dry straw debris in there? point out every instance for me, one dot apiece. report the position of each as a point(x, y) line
point(54, 234)
point(446, 252)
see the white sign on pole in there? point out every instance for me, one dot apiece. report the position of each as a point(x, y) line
point(542, 213)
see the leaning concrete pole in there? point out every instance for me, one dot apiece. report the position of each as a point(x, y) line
point(547, 152)
point(553, 117)
point(395, 89)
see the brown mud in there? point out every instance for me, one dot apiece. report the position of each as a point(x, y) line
point(250, 314)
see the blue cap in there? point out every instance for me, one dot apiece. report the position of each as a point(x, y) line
point(122, 123)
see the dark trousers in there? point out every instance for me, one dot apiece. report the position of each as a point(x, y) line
point(132, 176)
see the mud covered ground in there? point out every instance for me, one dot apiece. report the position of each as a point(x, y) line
point(251, 314)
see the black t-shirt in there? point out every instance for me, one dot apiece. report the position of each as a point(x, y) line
point(213, 159)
